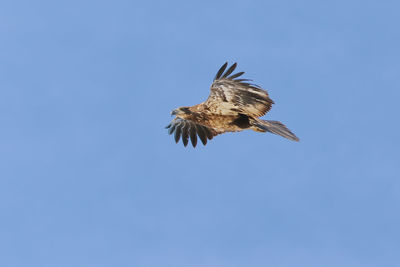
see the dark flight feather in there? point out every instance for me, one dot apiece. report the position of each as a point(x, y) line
point(185, 134)
point(178, 132)
point(220, 71)
point(192, 133)
point(201, 133)
point(208, 133)
point(236, 75)
point(172, 129)
point(230, 70)
point(242, 80)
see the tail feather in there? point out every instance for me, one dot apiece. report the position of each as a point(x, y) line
point(274, 127)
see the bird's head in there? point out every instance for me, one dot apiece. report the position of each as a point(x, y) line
point(181, 112)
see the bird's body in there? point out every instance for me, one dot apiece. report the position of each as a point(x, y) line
point(232, 106)
point(220, 123)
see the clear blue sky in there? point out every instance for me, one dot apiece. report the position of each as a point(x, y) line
point(90, 177)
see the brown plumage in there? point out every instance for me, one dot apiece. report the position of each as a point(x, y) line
point(232, 106)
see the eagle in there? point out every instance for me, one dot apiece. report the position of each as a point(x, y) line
point(234, 105)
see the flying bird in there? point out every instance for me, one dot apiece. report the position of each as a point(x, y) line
point(233, 105)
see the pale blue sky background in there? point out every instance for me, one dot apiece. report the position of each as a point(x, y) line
point(89, 176)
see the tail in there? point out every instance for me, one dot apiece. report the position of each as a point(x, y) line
point(274, 127)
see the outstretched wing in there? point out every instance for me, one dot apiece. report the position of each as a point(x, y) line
point(187, 128)
point(230, 95)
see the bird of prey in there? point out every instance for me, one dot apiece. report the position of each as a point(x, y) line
point(233, 105)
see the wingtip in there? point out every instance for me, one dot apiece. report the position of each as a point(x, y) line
point(230, 70)
point(220, 71)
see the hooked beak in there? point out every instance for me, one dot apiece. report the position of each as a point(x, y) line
point(174, 112)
